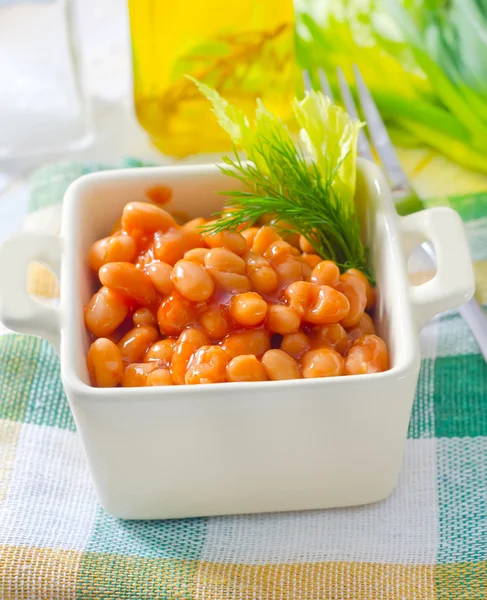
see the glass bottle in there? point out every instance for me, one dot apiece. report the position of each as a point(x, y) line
point(42, 105)
point(244, 49)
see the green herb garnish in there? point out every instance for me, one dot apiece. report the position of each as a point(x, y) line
point(308, 186)
point(431, 87)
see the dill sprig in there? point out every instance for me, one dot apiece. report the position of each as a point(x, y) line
point(310, 188)
point(291, 187)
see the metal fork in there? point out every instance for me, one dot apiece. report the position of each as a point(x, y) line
point(472, 312)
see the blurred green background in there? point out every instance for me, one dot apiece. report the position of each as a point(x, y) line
point(424, 61)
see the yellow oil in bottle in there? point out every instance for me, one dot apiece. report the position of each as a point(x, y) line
point(244, 49)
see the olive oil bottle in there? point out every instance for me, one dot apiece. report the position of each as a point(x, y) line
point(244, 49)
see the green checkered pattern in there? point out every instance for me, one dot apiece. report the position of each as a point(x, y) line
point(427, 541)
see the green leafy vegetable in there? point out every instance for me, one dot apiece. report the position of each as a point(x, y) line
point(425, 62)
point(330, 138)
point(311, 194)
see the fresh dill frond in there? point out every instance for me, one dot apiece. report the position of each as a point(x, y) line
point(310, 188)
point(291, 188)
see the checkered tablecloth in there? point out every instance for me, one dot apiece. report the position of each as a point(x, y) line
point(427, 541)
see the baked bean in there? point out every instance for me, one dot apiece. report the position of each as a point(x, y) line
point(295, 344)
point(161, 352)
point(120, 248)
point(159, 377)
point(333, 336)
point(188, 343)
point(289, 270)
point(305, 245)
point(264, 238)
point(105, 312)
point(125, 278)
point(354, 289)
point(146, 217)
point(311, 259)
point(279, 365)
point(197, 255)
point(326, 273)
point(245, 368)
point(174, 314)
point(104, 363)
point(231, 282)
point(248, 309)
point(367, 355)
point(194, 225)
point(306, 269)
point(214, 323)
point(329, 306)
point(194, 237)
point(231, 240)
point(192, 281)
point(144, 316)
point(144, 243)
point(136, 374)
point(252, 341)
point(317, 304)
point(168, 246)
point(369, 290)
point(364, 327)
point(367, 324)
point(208, 365)
point(160, 275)
point(282, 319)
point(278, 252)
point(322, 362)
point(298, 296)
point(134, 344)
point(145, 258)
point(251, 292)
point(171, 246)
point(260, 272)
point(287, 232)
point(221, 259)
point(227, 269)
point(249, 235)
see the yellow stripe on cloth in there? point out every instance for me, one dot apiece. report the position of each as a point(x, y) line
point(32, 573)
point(461, 581)
point(9, 435)
point(315, 581)
point(480, 270)
point(42, 282)
point(117, 577)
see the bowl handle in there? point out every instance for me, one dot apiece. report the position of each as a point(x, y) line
point(18, 310)
point(454, 282)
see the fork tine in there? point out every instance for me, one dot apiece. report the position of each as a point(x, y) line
point(325, 86)
point(307, 81)
point(380, 137)
point(363, 145)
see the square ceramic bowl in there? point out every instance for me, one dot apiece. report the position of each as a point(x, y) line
point(216, 449)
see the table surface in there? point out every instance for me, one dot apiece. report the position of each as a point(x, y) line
point(105, 53)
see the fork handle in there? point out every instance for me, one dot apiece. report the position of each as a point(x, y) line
point(475, 317)
point(472, 312)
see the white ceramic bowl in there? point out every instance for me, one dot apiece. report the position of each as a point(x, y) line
point(238, 447)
